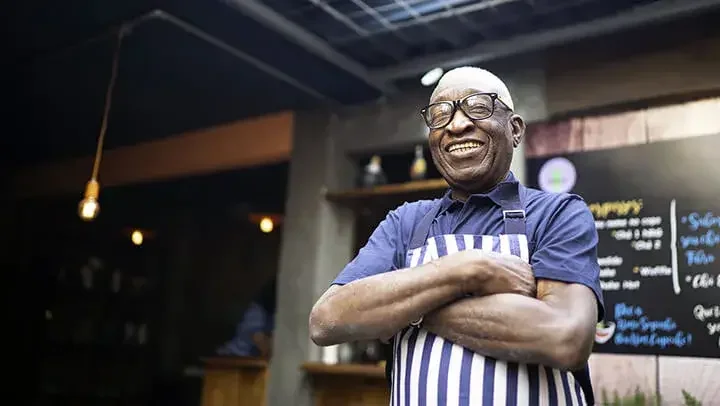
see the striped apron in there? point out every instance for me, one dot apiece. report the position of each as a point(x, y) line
point(431, 371)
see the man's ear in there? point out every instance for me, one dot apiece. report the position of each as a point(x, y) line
point(517, 127)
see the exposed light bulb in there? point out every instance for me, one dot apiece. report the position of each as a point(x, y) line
point(266, 225)
point(137, 237)
point(89, 207)
point(432, 76)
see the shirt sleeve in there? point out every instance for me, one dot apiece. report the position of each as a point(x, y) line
point(379, 253)
point(254, 319)
point(567, 249)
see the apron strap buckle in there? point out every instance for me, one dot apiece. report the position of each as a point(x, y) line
point(513, 214)
point(514, 220)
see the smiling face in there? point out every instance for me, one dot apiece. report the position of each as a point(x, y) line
point(474, 155)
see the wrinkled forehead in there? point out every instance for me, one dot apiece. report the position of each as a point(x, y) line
point(453, 86)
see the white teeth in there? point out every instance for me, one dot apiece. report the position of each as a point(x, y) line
point(465, 146)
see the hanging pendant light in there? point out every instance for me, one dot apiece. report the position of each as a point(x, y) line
point(89, 206)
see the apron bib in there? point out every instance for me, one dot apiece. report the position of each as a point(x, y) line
point(428, 370)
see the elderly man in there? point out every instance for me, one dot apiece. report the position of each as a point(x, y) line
point(490, 293)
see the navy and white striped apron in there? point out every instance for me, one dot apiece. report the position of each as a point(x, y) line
point(431, 371)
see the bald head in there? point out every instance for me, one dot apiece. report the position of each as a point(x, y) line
point(476, 78)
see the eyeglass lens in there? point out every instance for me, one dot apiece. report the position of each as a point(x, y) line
point(476, 107)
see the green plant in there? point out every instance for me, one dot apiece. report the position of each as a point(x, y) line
point(690, 400)
point(638, 398)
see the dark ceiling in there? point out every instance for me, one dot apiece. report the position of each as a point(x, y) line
point(383, 33)
point(189, 64)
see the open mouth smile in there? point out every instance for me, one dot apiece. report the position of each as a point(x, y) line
point(465, 146)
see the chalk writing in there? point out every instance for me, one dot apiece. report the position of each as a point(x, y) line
point(698, 257)
point(622, 235)
point(709, 239)
point(620, 208)
point(703, 281)
point(612, 260)
point(646, 245)
point(609, 285)
point(647, 236)
point(706, 315)
point(679, 339)
point(697, 221)
point(651, 221)
point(703, 237)
point(608, 266)
point(703, 313)
point(608, 272)
point(635, 329)
point(631, 285)
point(648, 222)
point(649, 271)
point(673, 248)
point(612, 285)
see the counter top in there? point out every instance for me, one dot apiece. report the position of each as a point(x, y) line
point(361, 370)
point(235, 362)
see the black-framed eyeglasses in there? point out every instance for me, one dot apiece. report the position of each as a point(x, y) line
point(476, 106)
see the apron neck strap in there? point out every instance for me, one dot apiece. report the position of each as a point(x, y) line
point(512, 209)
point(421, 232)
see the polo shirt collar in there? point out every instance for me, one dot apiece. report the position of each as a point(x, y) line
point(503, 191)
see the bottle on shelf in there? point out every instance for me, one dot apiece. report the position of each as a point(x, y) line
point(418, 169)
point(374, 174)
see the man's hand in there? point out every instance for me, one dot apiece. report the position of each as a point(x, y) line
point(379, 306)
point(556, 329)
point(491, 273)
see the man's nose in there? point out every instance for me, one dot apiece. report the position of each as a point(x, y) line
point(460, 123)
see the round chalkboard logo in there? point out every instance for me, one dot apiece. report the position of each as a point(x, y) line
point(557, 176)
point(604, 332)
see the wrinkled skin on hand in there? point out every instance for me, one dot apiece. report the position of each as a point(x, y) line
point(487, 273)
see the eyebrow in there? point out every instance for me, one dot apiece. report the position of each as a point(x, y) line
point(467, 92)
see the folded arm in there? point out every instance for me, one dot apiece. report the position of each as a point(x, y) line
point(555, 329)
point(378, 306)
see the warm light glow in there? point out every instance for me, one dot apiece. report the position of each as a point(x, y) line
point(88, 208)
point(431, 77)
point(266, 224)
point(137, 237)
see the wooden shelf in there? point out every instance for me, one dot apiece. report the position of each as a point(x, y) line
point(418, 189)
point(235, 362)
point(360, 370)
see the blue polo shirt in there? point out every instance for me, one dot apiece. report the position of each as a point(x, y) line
point(561, 235)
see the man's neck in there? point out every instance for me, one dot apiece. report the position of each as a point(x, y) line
point(463, 195)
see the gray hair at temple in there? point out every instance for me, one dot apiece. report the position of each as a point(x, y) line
point(481, 79)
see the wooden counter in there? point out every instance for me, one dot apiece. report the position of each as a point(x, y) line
point(234, 381)
point(348, 384)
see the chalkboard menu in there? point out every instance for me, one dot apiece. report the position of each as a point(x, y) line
point(657, 212)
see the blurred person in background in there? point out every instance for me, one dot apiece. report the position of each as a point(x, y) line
point(253, 334)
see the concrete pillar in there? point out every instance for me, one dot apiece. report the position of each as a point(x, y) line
point(527, 88)
point(316, 245)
